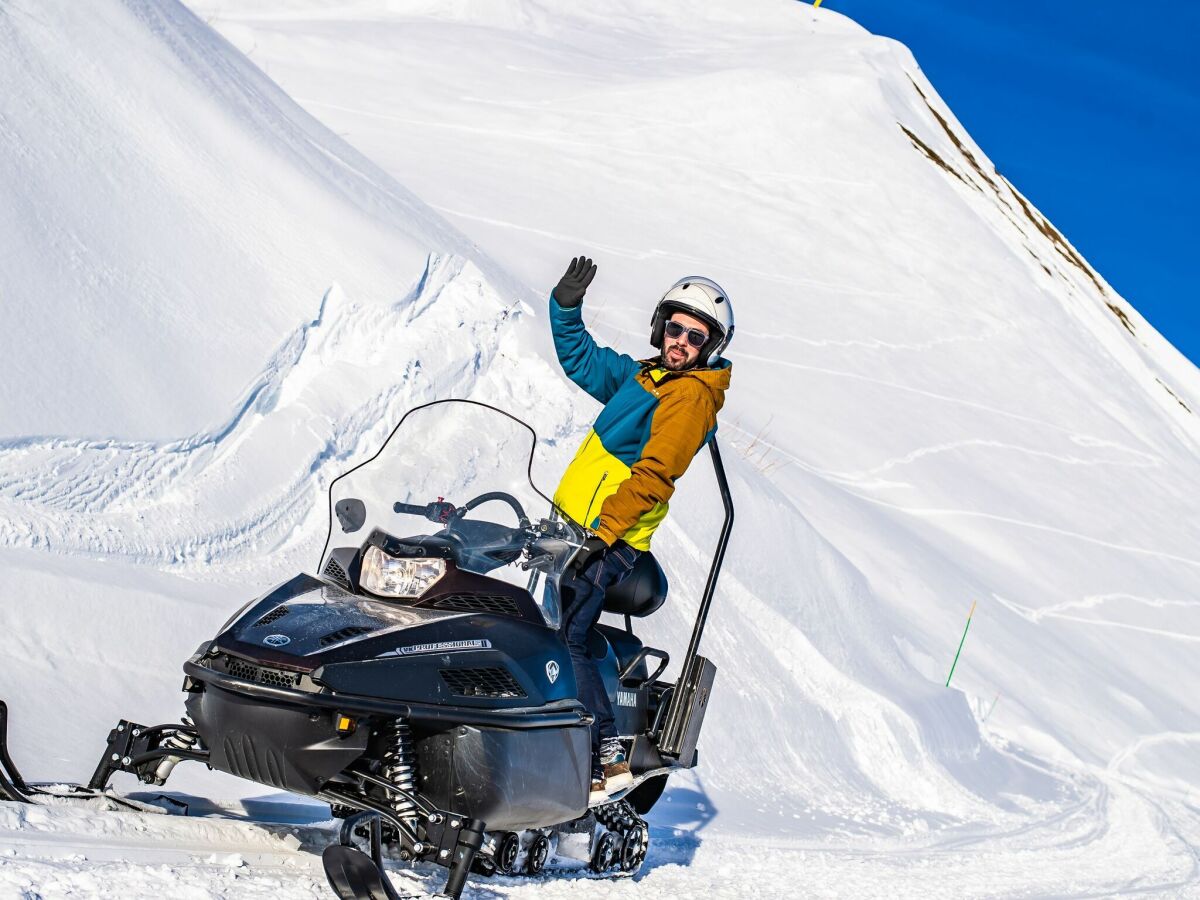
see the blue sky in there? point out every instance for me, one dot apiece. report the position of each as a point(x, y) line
point(1092, 109)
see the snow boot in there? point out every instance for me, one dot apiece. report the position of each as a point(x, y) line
point(597, 793)
point(617, 776)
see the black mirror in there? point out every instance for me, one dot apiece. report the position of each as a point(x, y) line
point(351, 514)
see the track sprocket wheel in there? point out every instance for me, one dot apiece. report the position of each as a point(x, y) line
point(605, 854)
point(508, 847)
point(634, 846)
point(539, 852)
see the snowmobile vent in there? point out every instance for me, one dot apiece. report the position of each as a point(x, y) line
point(489, 603)
point(334, 572)
point(344, 634)
point(273, 616)
point(495, 682)
point(261, 674)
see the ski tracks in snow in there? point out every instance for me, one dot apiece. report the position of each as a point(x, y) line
point(1140, 461)
point(334, 385)
point(1063, 611)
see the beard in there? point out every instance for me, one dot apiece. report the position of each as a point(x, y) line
point(676, 364)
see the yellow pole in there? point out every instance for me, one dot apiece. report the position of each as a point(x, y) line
point(816, 3)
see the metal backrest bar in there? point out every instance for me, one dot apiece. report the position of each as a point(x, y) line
point(715, 570)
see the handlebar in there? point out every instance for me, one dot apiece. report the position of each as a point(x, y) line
point(526, 537)
point(444, 512)
point(503, 497)
point(437, 511)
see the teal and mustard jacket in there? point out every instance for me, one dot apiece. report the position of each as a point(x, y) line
point(653, 422)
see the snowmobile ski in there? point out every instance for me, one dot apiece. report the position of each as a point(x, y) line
point(15, 789)
point(354, 876)
point(12, 786)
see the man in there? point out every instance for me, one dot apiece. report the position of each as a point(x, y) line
point(657, 414)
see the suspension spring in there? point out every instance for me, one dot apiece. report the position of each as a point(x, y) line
point(179, 740)
point(400, 766)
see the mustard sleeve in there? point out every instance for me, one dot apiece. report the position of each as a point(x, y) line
point(683, 419)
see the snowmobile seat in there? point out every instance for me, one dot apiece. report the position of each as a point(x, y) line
point(642, 593)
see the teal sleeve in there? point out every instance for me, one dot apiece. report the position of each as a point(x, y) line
point(598, 370)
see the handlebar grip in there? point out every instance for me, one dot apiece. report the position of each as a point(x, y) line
point(409, 508)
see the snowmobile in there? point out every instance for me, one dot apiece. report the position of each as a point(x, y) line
point(419, 684)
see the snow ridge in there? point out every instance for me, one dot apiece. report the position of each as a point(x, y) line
point(1092, 300)
point(163, 194)
point(327, 393)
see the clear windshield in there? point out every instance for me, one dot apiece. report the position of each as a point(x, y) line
point(458, 471)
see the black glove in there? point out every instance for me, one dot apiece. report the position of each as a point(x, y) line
point(593, 548)
point(574, 283)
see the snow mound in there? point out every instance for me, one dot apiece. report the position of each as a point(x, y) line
point(330, 391)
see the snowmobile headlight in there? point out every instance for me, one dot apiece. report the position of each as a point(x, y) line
point(392, 576)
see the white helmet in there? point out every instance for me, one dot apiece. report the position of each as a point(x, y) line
point(706, 300)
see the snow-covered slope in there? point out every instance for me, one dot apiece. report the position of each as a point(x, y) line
point(926, 370)
point(168, 215)
point(935, 400)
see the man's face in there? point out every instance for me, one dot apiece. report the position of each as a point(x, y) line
point(678, 352)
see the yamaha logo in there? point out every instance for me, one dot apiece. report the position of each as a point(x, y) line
point(552, 671)
point(276, 640)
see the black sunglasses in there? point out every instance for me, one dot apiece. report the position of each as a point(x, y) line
point(696, 337)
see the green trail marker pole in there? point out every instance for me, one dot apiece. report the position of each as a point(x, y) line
point(990, 708)
point(960, 644)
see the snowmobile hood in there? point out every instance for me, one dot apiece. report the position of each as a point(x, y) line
point(309, 620)
point(313, 636)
